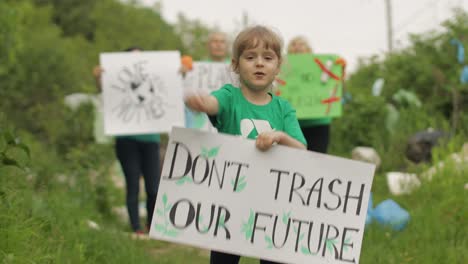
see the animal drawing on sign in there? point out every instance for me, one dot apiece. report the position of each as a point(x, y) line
point(143, 94)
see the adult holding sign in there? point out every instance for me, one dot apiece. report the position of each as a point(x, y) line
point(316, 130)
point(251, 110)
point(138, 155)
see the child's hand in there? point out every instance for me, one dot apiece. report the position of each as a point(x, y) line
point(202, 103)
point(266, 139)
point(195, 102)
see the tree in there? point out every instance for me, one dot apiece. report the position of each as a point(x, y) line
point(194, 35)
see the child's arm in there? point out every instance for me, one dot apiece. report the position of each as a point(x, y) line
point(265, 140)
point(203, 103)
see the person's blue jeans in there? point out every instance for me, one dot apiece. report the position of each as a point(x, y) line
point(139, 158)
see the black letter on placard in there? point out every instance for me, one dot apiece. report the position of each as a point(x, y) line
point(255, 224)
point(285, 236)
point(207, 169)
point(227, 215)
point(278, 180)
point(294, 189)
point(188, 164)
point(327, 238)
point(197, 224)
point(330, 187)
point(319, 190)
point(343, 244)
point(215, 169)
point(359, 198)
point(190, 214)
point(240, 165)
point(322, 227)
point(298, 231)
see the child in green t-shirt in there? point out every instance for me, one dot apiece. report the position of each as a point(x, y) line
point(251, 110)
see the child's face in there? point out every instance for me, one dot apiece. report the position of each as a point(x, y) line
point(258, 67)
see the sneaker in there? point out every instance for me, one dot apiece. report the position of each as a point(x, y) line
point(139, 235)
point(140, 232)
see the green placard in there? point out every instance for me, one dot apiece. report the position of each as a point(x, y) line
point(312, 84)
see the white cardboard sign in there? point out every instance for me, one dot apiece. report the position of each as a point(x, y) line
point(219, 192)
point(209, 76)
point(142, 92)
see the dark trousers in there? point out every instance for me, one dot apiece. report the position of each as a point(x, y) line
point(317, 137)
point(225, 258)
point(139, 158)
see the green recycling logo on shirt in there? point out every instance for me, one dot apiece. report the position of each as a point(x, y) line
point(251, 128)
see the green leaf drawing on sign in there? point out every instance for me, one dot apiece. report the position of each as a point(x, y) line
point(163, 213)
point(199, 220)
point(295, 229)
point(306, 251)
point(269, 242)
point(221, 221)
point(241, 184)
point(330, 243)
point(160, 228)
point(286, 217)
point(247, 227)
point(159, 212)
point(347, 240)
point(204, 152)
point(213, 152)
point(185, 179)
point(241, 187)
point(171, 233)
point(210, 153)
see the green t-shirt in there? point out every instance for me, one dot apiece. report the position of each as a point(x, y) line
point(237, 116)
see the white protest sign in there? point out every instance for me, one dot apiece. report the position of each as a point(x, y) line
point(284, 204)
point(209, 76)
point(142, 92)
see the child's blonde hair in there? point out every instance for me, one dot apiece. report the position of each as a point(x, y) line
point(299, 39)
point(253, 36)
